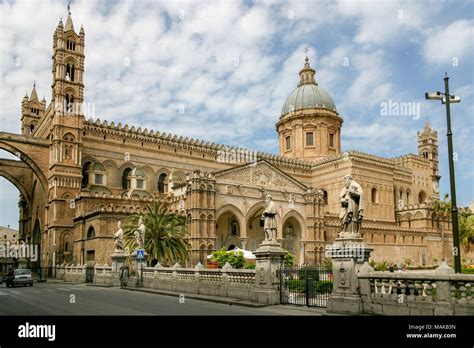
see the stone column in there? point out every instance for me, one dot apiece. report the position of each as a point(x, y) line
point(348, 254)
point(269, 257)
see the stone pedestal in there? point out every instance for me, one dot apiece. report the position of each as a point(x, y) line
point(269, 257)
point(118, 260)
point(348, 254)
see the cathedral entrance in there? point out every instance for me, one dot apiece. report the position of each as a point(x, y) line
point(228, 232)
point(292, 239)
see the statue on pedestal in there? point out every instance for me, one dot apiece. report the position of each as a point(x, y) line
point(269, 217)
point(352, 207)
point(140, 234)
point(118, 237)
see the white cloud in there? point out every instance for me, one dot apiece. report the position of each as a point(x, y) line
point(444, 45)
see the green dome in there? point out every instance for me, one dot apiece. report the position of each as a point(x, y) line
point(308, 96)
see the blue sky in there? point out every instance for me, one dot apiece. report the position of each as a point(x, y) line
point(230, 65)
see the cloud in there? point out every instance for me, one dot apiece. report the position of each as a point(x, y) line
point(450, 44)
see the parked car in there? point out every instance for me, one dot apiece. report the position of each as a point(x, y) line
point(19, 277)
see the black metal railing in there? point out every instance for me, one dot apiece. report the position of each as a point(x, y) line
point(306, 285)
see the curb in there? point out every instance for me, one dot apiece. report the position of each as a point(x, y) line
point(202, 298)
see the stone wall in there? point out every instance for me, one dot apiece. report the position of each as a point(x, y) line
point(225, 282)
point(416, 293)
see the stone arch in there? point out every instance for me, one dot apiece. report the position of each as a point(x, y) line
point(28, 160)
point(234, 210)
point(292, 233)
point(17, 183)
point(298, 217)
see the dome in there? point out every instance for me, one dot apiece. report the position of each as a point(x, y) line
point(308, 96)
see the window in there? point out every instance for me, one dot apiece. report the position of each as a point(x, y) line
point(69, 103)
point(85, 174)
point(309, 139)
point(331, 140)
point(374, 195)
point(325, 197)
point(35, 111)
point(91, 232)
point(70, 72)
point(162, 183)
point(421, 197)
point(126, 179)
point(90, 255)
point(99, 179)
point(288, 143)
point(70, 45)
point(140, 183)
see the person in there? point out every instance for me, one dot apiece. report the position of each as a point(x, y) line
point(391, 267)
point(123, 277)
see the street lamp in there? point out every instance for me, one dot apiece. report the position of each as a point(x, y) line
point(448, 99)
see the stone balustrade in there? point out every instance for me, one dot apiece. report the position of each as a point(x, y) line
point(416, 293)
point(225, 282)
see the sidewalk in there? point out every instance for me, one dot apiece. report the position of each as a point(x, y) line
point(224, 300)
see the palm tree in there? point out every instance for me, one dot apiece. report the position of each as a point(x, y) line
point(165, 233)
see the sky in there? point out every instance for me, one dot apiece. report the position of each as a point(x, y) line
point(222, 70)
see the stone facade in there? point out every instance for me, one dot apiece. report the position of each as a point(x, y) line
point(78, 177)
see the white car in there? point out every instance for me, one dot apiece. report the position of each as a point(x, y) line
point(19, 277)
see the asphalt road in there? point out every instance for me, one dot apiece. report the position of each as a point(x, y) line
point(81, 299)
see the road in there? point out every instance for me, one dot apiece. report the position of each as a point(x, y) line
point(81, 299)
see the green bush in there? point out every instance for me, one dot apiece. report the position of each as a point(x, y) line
point(468, 270)
point(289, 259)
point(381, 266)
point(298, 285)
point(249, 265)
point(312, 273)
point(235, 259)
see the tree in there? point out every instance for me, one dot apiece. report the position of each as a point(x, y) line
point(164, 235)
point(465, 220)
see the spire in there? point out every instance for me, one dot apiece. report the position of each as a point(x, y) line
point(427, 128)
point(307, 73)
point(33, 95)
point(69, 25)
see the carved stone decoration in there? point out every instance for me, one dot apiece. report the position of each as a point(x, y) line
point(261, 175)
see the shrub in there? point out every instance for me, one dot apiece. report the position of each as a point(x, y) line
point(235, 259)
point(381, 266)
point(289, 259)
point(311, 272)
point(298, 285)
point(468, 270)
point(249, 265)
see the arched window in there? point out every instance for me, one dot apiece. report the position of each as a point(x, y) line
point(70, 72)
point(162, 183)
point(325, 197)
point(70, 45)
point(408, 197)
point(91, 232)
point(421, 197)
point(85, 174)
point(69, 103)
point(374, 195)
point(126, 178)
point(68, 145)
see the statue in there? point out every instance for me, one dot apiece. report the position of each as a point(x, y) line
point(140, 234)
point(269, 217)
point(118, 237)
point(352, 206)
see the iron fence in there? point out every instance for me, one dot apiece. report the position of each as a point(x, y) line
point(306, 285)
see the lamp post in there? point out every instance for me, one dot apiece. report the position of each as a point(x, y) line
point(448, 99)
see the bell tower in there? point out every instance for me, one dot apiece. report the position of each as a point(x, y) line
point(66, 126)
point(428, 149)
point(31, 112)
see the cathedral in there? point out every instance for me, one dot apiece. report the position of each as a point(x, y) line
point(78, 177)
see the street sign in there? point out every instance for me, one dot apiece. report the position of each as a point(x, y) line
point(140, 254)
